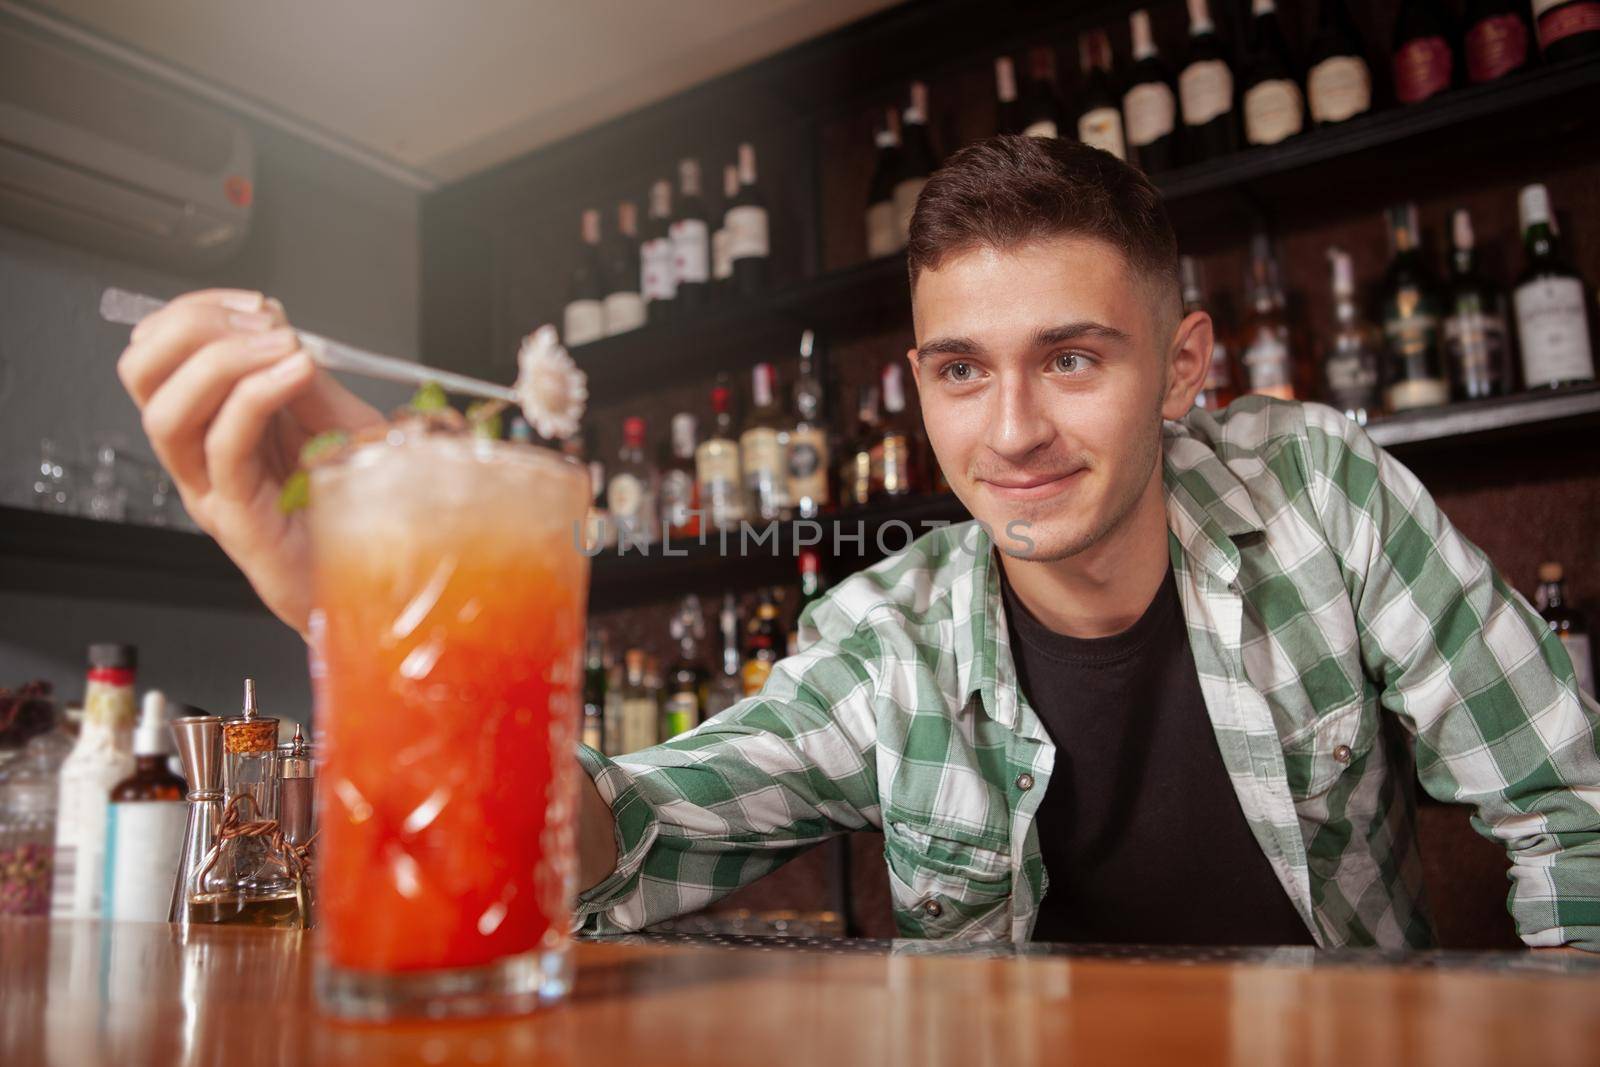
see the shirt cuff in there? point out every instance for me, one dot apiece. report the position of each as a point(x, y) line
point(635, 830)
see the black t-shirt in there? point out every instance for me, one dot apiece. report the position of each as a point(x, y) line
point(1142, 836)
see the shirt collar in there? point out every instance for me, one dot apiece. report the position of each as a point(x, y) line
point(1208, 506)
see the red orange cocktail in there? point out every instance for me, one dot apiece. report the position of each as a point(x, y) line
point(447, 641)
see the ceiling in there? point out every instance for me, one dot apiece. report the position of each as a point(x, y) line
point(446, 89)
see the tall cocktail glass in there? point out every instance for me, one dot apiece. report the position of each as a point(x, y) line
point(447, 647)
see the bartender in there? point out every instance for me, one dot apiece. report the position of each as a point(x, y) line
point(1172, 683)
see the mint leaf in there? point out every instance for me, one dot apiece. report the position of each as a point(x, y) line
point(321, 445)
point(484, 418)
point(431, 397)
point(296, 492)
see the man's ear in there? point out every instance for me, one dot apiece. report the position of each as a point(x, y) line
point(911, 358)
point(1188, 362)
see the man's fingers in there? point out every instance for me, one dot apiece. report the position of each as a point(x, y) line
point(233, 442)
point(176, 416)
point(170, 336)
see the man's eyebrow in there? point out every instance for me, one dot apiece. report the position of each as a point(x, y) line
point(950, 346)
point(1072, 331)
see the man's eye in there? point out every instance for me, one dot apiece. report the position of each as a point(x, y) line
point(1070, 363)
point(957, 371)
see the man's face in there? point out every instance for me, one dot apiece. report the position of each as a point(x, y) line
point(1042, 375)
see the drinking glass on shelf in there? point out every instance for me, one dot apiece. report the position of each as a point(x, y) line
point(447, 642)
point(108, 497)
point(52, 480)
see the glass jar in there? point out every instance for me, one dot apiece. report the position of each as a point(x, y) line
point(27, 833)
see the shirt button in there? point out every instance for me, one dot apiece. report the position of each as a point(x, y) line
point(1024, 782)
point(932, 908)
point(1342, 753)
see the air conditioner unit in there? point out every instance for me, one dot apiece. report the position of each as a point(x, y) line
point(93, 155)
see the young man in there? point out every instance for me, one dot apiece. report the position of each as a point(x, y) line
point(1173, 685)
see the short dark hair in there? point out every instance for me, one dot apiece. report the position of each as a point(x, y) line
point(1009, 190)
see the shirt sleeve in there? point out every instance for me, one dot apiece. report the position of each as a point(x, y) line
point(738, 796)
point(1475, 673)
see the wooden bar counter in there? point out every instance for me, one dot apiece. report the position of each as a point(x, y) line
point(82, 993)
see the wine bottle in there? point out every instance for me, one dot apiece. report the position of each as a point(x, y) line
point(1100, 121)
point(1042, 115)
point(1475, 339)
point(1338, 80)
point(631, 492)
point(1567, 28)
point(1264, 346)
point(1149, 105)
point(721, 261)
point(1496, 39)
point(1350, 361)
point(1424, 59)
point(857, 468)
point(1205, 89)
point(658, 277)
point(1274, 110)
point(583, 318)
point(897, 454)
point(1220, 387)
point(1411, 315)
point(918, 160)
point(810, 463)
point(1007, 111)
point(764, 448)
point(624, 302)
point(680, 491)
point(717, 469)
point(748, 246)
point(691, 240)
point(1552, 319)
point(883, 228)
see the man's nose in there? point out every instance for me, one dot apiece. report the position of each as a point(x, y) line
point(1021, 425)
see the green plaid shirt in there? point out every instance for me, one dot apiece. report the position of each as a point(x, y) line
point(1348, 641)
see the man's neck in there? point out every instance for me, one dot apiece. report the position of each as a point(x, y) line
point(1106, 588)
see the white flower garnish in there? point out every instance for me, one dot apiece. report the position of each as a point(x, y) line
point(552, 390)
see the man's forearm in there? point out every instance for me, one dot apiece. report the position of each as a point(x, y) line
point(597, 841)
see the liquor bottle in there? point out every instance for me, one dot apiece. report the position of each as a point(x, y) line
point(684, 707)
point(1220, 388)
point(1264, 342)
point(721, 247)
point(584, 317)
point(1412, 314)
point(717, 468)
point(631, 493)
point(883, 224)
point(100, 758)
point(1338, 80)
point(898, 466)
point(641, 711)
point(1567, 28)
point(146, 819)
point(1205, 89)
point(810, 457)
point(1042, 114)
point(680, 489)
point(1351, 361)
point(856, 470)
point(616, 685)
point(1552, 319)
point(691, 240)
point(1149, 105)
point(918, 161)
point(1566, 622)
point(748, 244)
point(811, 590)
point(600, 531)
point(727, 683)
point(1424, 58)
point(1007, 112)
point(1273, 107)
point(763, 642)
point(1475, 336)
point(764, 449)
point(624, 302)
point(594, 691)
point(658, 275)
point(1100, 121)
point(1496, 38)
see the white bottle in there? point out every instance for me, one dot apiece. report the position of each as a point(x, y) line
point(102, 757)
point(144, 838)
